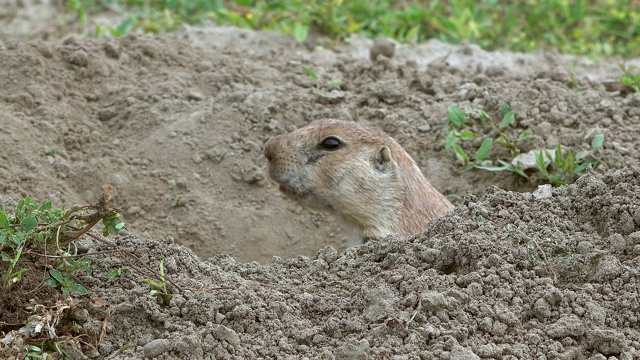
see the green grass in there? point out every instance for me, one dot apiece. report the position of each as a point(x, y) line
point(596, 27)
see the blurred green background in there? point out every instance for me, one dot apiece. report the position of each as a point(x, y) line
point(596, 27)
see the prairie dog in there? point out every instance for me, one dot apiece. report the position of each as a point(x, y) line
point(356, 172)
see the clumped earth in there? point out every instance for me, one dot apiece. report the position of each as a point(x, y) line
point(177, 123)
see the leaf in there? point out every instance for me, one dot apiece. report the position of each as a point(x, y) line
point(335, 83)
point(17, 276)
point(541, 164)
point(311, 73)
point(6, 257)
point(450, 140)
point(525, 134)
point(28, 223)
point(460, 154)
point(467, 134)
point(457, 117)
point(300, 32)
point(508, 120)
point(78, 289)
point(484, 149)
point(57, 275)
point(518, 170)
point(45, 207)
point(582, 155)
point(412, 34)
point(483, 116)
point(4, 222)
point(559, 161)
point(504, 109)
point(580, 169)
point(597, 142)
point(51, 282)
point(152, 283)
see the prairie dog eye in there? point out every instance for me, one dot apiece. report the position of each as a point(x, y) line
point(330, 143)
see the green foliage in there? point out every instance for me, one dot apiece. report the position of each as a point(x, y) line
point(312, 74)
point(120, 272)
point(43, 230)
point(568, 168)
point(598, 27)
point(64, 283)
point(34, 235)
point(159, 287)
point(630, 77)
point(557, 169)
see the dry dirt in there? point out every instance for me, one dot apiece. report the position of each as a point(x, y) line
point(177, 123)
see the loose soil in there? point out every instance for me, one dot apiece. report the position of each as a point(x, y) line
point(177, 123)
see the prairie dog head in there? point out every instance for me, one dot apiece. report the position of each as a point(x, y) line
point(344, 167)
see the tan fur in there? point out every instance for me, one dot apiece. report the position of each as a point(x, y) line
point(371, 182)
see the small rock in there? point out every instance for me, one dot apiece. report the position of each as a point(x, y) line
point(333, 97)
point(78, 58)
point(608, 268)
point(382, 46)
point(156, 348)
point(528, 160)
point(328, 254)
point(543, 192)
point(253, 175)
point(569, 325)
point(424, 128)
point(195, 96)
point(353, 350)
point(203, 66)
point(462, 353)
point(106, 114)
point(433, 300)
point(542, 309)
point(111, 50)
point(618, 243)
point(584, 247)
point(607, 342)
point(222, 332)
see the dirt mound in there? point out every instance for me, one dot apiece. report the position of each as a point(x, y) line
point(179, 130)
point(177, 125)
point(554, 277)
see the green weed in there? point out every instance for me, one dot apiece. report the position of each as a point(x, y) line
point(159, 286)
point(64, 283)
point(316, 79)
point(42, 234)
point(557, 168)
point(630, 77)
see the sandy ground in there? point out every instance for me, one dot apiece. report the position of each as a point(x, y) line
point(177, 123)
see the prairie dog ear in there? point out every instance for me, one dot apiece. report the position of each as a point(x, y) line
point(382, 160)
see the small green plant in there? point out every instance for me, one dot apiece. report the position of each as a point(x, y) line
point(120, 272)
point(630, 77)
point(461, 129)
point(44, 230)
point(64, 283)
point(159, 287)
point(567, 168)
point(312, 74)
point(557, 168)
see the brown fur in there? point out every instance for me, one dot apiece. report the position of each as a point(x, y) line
point(371, 182)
